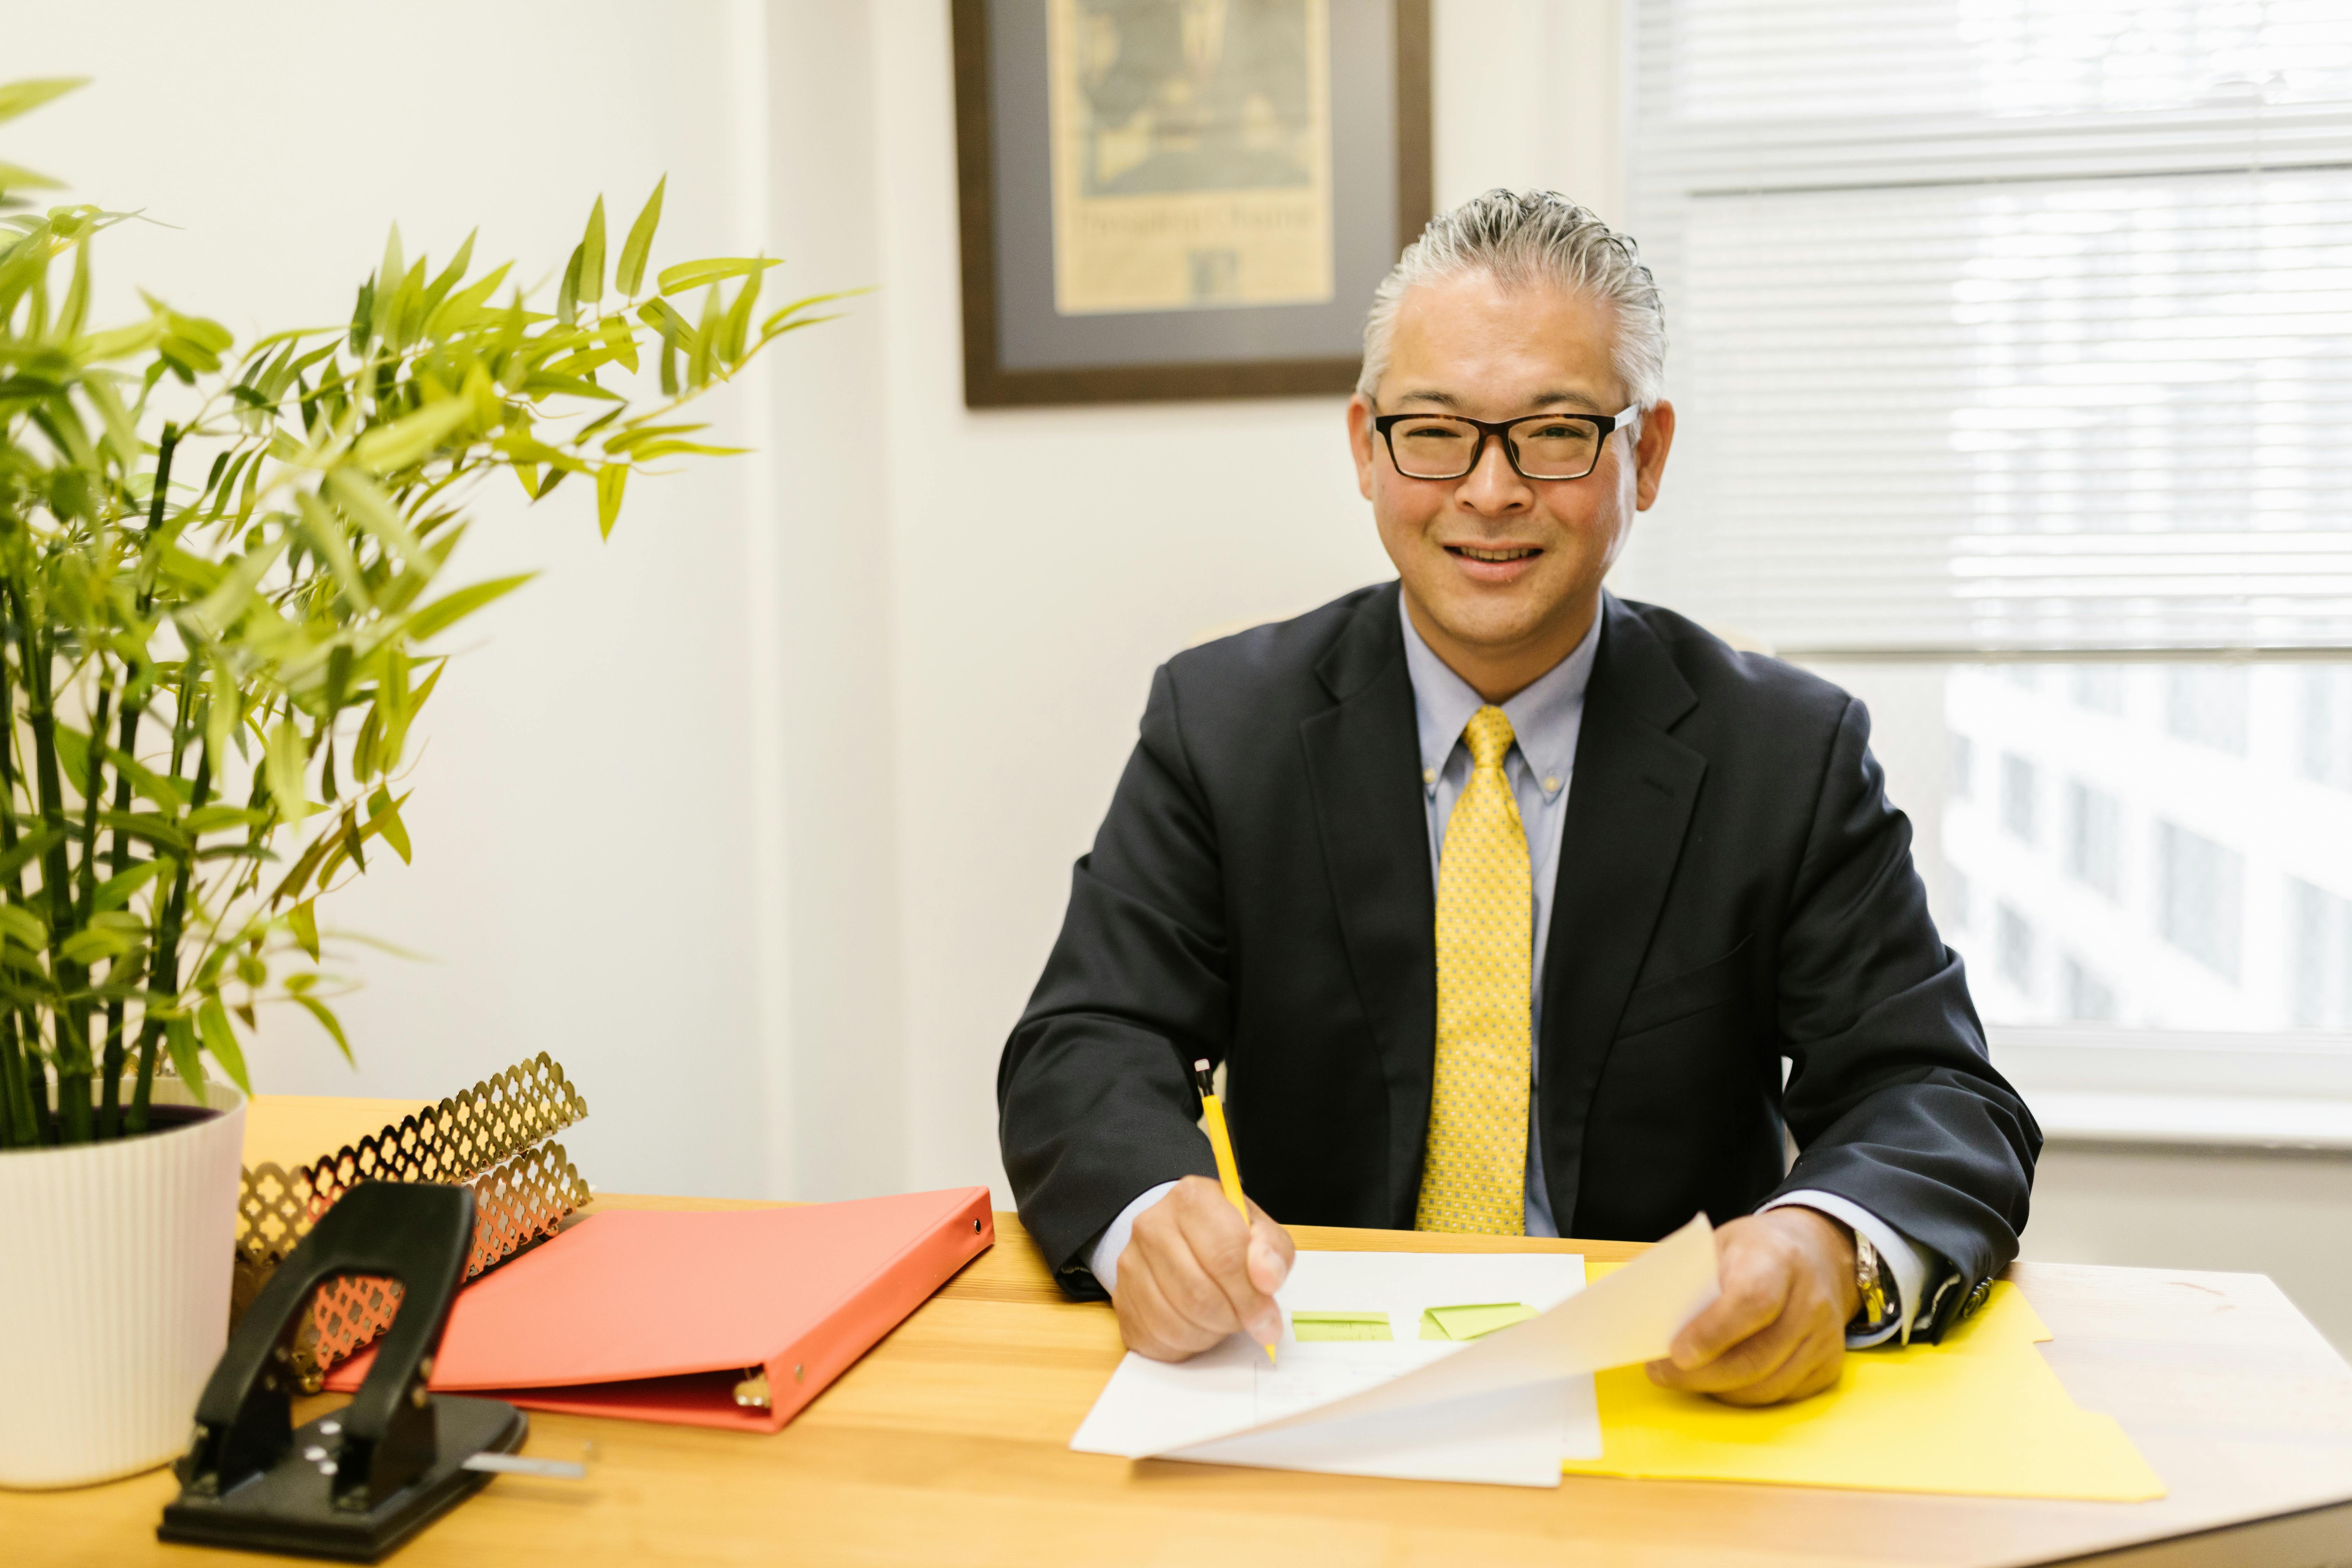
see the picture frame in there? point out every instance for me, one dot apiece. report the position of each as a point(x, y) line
point(1160, 200)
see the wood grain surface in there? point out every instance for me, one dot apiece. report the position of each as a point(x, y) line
point(948, 1444)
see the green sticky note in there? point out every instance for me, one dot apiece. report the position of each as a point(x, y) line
point(1473, 1322)
point(1309, 1326)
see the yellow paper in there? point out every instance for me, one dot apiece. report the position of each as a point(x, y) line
point(1311, 1326)
point(1471, 1322)
point(1980, 1414)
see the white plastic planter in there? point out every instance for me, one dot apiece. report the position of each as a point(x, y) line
point(114, 1284)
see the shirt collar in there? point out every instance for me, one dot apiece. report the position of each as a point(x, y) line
point(1545, 718)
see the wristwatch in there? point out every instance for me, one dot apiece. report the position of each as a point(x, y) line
point(1870, 1283)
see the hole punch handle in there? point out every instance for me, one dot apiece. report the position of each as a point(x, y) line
point(416, 1233)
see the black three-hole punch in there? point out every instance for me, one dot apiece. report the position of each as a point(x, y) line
point(354, 1484)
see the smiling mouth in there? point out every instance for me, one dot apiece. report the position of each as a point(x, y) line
point(1472, 553)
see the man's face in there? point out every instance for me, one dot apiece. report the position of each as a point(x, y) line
point(1503, 573)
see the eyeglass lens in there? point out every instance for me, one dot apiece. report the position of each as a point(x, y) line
point(1434, 447)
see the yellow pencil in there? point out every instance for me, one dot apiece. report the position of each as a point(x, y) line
point(1221, 1143)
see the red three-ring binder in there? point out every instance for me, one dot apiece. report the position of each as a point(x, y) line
point(659, 1315)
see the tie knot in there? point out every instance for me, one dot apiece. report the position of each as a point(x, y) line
point(1488, 736)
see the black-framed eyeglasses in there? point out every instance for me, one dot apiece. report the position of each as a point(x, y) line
point(1540, 446)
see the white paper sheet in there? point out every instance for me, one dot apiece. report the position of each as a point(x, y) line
point(1506, 1408)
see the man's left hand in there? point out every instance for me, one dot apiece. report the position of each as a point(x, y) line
point(1778, 1330)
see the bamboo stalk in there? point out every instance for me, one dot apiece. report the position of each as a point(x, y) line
point(80, 1007)
point(111, 1071)
point(165, 979)
point(45, 1129)
point(21, 1059)
point(16, 1108)
point(72, 1054)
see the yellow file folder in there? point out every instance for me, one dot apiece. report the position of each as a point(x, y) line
point(1981, 1414)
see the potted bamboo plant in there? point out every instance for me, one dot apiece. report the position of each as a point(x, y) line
point(222, 583)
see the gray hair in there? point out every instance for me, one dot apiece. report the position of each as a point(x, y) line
point(1519, 240)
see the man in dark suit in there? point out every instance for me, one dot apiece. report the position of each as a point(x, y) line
point(1504, 901)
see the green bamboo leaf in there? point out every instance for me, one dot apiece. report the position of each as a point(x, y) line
point(303, 922)
point(116, 342)
point(450, 276)
point(296, 878)
point(653, 449)
point(284, 758)
point(22, 925)
point(630, 439)
point(621, 342)
point(368, 506)
point(698, 359)
point(163, 789)
point(30, 847)
point(450, 608)
point(383, 812)
point(18, 97)
point(688, 274)
point(329, 1022)
point(87, 947)
point(385, 293)
point(151, 828)
point(221, 1041)
point(592, 256)
point(219, 609)
point(181, 1040)
point(567, 294)
point(411, 436)
point(545, 382)
point(663, 317)
point(214, 818)
point(610, 481)
point(633, 250)
point(116, 890)
point(324, 529)
point(73, 756)
point(16, 177)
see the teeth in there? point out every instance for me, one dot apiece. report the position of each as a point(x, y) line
point(1475, 555)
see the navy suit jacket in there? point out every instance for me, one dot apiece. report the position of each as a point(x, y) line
point(1735, 893)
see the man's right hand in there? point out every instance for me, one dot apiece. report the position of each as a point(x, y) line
point(1193, 1273)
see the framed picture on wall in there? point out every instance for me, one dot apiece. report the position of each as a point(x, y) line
point(1181, 198)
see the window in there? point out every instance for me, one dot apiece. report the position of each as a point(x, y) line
point(2089, 1000)
point(2013, 941)
point(2011, 347)
point(2094, 838)
point(2099, 688)
point(2019, 797)
point(2205, 705)
point(2199, 896)
point(2324, 752)
point(2323, 945)
point(2055, 288)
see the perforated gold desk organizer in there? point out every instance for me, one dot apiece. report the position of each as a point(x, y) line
point(492, 1138)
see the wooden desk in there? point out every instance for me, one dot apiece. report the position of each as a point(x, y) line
point(948, 1444)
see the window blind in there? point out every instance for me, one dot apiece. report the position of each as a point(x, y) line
point(2003, 324)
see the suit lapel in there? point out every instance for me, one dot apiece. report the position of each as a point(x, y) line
point(1629, 806)
point(1363, 766)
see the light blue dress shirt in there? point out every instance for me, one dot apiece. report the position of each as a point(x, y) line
point(1546, 719)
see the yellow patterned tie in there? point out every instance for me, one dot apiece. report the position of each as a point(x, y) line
point(1474, 1177)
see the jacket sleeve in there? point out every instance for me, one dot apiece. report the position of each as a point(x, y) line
point(1892, 1098)
point(1094, 1094)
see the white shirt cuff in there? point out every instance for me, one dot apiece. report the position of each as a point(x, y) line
point(1104, 1262)
point(1895, 1255)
